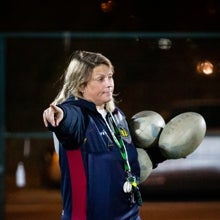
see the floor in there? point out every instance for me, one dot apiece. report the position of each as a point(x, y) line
point(46, 205)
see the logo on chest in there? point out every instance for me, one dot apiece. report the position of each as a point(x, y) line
point(123, 132)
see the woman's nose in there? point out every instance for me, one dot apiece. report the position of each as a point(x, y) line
point(110, 82)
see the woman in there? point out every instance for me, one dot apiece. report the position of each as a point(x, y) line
point(98, 161)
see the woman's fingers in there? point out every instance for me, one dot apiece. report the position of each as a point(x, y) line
point(49, 116)
point(45, 119)
point(53, 115)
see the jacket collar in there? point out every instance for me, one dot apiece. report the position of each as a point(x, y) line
point(85, 104)
point(81, 103)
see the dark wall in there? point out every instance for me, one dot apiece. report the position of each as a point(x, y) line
point(126, 15)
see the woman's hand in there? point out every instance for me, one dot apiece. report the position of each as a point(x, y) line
point(52, 115)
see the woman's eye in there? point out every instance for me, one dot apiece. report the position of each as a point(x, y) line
point(102, 78)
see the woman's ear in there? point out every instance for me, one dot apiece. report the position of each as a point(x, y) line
point(82, 89)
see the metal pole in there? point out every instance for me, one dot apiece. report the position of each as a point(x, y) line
point(2, 127)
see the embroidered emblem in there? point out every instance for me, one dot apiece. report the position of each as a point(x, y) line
point(123, 132)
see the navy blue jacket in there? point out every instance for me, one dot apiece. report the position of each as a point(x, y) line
point(92, 169)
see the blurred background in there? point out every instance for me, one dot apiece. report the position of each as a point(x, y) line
point(167, 59)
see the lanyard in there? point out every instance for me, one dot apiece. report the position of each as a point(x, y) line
point(120, 143)
point(130, 185)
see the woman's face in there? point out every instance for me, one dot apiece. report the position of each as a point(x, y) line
point(100, 86)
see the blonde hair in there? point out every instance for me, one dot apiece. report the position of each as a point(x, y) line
point(77, 73)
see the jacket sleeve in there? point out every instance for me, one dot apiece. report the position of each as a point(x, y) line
point(71, 129)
